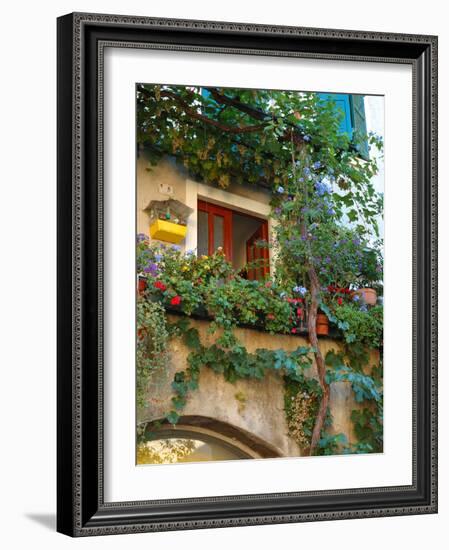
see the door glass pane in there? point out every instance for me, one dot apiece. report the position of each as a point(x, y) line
point(203, 233)
point(218, 232)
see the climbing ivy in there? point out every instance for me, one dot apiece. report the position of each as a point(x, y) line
point(326, 235)
point(234, 364)
point(152, 345)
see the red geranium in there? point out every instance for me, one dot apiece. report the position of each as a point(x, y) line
point(160, 285)
point(299, 312)
point(270, 316)
point(175, 301)
point(339, 301)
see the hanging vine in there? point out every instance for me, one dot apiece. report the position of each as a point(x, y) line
point(326, 213)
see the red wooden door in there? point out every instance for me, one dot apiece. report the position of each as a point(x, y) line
point(258, 254)
point(218, 226)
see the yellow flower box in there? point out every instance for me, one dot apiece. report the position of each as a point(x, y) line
point(170, 232)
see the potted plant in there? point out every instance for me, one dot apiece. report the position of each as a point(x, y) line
point(370, 275)
point(368, 295)
point(322, 324)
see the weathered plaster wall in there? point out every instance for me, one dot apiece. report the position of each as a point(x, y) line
point(262, 412)
point(168, 171)
point(148, 178)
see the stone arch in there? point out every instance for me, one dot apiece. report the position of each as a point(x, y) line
point(244, 443)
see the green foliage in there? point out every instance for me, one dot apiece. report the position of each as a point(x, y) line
point(209, 286)
point(332, 444)
point(230, 301)
point(368, 428)
point(367, 420)
point(301, 402)
point(151, 349)
point(364, 386)
point(235, 364)
point(363, 327)
point(325, 210)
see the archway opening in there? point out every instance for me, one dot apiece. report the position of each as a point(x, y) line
point(198, 439)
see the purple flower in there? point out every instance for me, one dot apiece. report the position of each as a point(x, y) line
point(363, 307)
point(322, 188)
point(151, 268)
point(331, 212)
point(356, 298)
point(277, 210)
point(280, 189)
point(158, 257)
point(356, 242)
point(317, 165)
point(307, 171)
point(306, 138)
point(141, 237)
point(176, 247)
point(301, 180)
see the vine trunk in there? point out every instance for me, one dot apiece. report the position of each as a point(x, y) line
point(321, 367)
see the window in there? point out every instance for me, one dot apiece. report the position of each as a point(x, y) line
point(354, 120)
point(242, 237)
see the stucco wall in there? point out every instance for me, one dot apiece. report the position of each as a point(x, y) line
point(168, 171)
point(262, 410)
point(148, 178)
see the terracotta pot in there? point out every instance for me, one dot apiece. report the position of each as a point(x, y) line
point(368, 295)
point(322, 324)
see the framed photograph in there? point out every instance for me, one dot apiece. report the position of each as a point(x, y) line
point(247, 274)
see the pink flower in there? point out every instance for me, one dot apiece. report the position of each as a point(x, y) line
point(293, 331)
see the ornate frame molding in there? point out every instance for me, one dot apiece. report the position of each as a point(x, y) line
point(81, 41)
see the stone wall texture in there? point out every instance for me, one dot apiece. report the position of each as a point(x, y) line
point(253, 406)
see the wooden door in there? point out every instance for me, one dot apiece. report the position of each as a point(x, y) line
point(258, 254)
point(218, 224)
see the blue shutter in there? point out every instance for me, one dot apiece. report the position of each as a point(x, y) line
point(205, 93)
point(343, 106)
point(211, 106)
point(359, 124)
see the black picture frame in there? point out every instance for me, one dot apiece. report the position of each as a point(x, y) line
point(81, 510)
